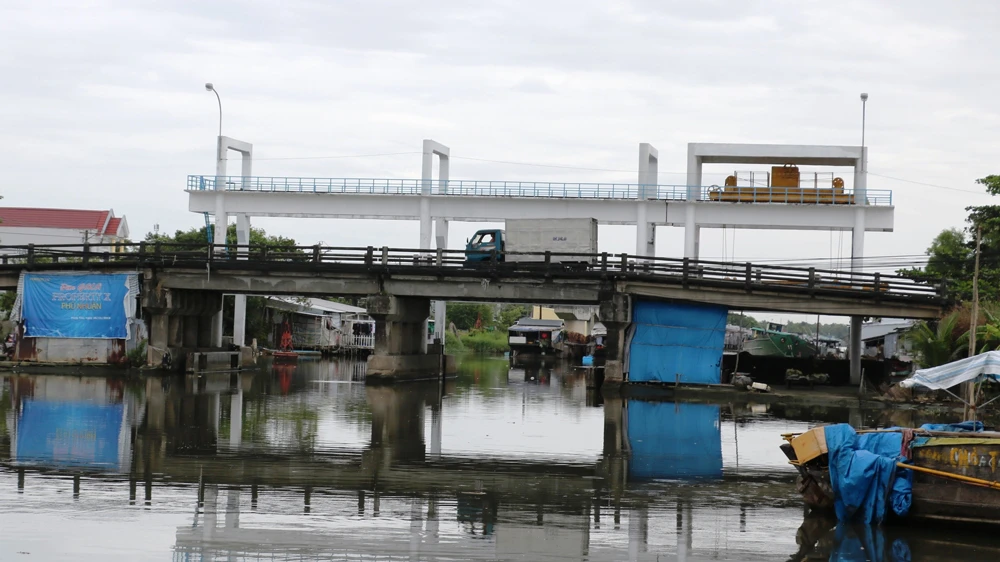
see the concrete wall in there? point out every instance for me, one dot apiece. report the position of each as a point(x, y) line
point(71, 350)
point(22, 236)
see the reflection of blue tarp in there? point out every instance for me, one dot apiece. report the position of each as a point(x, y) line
point(673, 339)
point(674, 440)
point(866, 544)
point(75, 306)
point(69, 433)
point(862, 471)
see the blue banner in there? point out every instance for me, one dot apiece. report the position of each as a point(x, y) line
point(75, 306)
point(69, 434)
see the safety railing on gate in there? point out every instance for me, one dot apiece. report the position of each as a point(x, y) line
point(553, 190)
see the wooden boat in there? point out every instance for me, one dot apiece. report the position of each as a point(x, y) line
point(285, 355)
point(956, 475)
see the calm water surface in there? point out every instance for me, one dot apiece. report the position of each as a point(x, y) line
point(305, 462)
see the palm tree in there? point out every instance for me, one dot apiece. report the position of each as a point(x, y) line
point(940, 345)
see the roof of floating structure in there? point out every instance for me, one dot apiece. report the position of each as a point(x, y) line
point(313, 306)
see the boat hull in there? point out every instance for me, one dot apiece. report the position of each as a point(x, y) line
point(935, 498)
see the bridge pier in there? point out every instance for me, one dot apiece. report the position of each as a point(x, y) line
point(400, 340)
point(182, 324)
point(616, 314)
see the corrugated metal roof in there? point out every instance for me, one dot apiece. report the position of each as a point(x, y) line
point(70, 219)
point(318, 306)
point(873, 331)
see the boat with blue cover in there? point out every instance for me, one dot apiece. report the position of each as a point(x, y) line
point(935, 473)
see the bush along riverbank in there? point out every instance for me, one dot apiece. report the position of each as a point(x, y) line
point(477, 341)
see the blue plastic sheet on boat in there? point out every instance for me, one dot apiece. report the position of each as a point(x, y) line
point(863, 474)
point(963, 427)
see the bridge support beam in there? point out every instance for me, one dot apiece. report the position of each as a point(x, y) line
point(180, 329)
point(616, 315)
point(645, 231)
point(400, 340)
point(240, 306)
point(430, 150)
point(854, 350)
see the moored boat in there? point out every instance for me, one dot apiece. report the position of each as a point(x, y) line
point(775, 343)
point(935, 473)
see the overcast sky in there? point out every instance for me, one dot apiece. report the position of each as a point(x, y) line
point(102, 104)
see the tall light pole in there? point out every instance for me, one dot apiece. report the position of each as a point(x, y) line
point(864, 103)
point(211, 88)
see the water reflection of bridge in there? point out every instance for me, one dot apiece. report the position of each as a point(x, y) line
point(201, 434)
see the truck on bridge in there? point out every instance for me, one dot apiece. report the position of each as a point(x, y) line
point(525, 240)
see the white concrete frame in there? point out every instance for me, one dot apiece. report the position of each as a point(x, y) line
point(430, 149)
point(645, 231)
point(224, 145)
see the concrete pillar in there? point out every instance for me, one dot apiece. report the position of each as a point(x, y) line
point(190, 331)
point(400, 339)
point(217, 327)
point(425, 222)
point(240, 306)
point(690, 232)
point(861, 179)
point(175, 331)
point(440, 307)
point(159, 330)
point(648, 181)
point(857, 266)
point(694, 166)
point(854, 349)
point(616, 314)
point(221, 218)
point(206, 329)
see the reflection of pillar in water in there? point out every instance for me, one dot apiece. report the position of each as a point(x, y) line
point(236, 418)
point(433, 524)
point(233, 508)
point(638, 531)
point(416, 527)
point(436, 432)
point(398, 420)
point(211, 503)
point(684, 531)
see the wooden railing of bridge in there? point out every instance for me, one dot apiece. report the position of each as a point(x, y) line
point(689, 273)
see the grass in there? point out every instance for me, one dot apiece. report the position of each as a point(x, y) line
point(452, 343)
point(486, 342)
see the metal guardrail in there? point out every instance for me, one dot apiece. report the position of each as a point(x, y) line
point(689, 273)
point(554, 190)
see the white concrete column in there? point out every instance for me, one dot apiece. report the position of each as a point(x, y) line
point(640, 229)
point(858, 240)
point(861, 178)
point(240, 307)
point(694, 166)
point(425, 223)
point(690, 232)
point(221, 219)
point(440, 307)
point(217, 326)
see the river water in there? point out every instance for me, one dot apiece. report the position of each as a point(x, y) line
point(306, 462)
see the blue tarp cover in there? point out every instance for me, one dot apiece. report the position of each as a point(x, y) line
point(863, 474)
point(671, 339)
point(669, 440)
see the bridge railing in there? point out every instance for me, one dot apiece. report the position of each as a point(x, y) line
point(530, 189)
point(542, 265)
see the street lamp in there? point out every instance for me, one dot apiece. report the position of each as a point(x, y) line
point(864, 103)
point(211, 88)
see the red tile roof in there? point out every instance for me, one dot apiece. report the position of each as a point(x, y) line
point(71, 219)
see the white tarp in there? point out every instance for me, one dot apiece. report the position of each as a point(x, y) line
point(964, 370)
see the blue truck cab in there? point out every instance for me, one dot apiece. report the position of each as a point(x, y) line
point(483, 243)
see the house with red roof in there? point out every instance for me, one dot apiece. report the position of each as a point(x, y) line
point(32, 225)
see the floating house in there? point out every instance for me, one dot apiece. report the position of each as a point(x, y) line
point(532, 335)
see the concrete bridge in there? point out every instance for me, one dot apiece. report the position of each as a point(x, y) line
point(183, 286)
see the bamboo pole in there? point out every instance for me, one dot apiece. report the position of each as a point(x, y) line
point(952, 475)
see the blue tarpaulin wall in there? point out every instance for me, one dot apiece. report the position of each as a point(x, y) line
point(69, 433)
point(676, 338)
point(671, 440)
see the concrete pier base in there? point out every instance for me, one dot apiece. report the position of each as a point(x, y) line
point(390, 368)
point(401, 341)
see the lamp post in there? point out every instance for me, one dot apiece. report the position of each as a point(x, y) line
point(211, 88)
point(864, 103)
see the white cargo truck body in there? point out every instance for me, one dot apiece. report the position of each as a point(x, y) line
point(559, 236)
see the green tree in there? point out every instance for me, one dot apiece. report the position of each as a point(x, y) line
point(938, 344)
point(257, 325)
point(464, 315)
point(510, 314)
